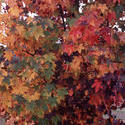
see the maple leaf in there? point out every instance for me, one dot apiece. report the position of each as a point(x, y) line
point(90, 37)
point(70, 92)
point(8, 55)
point(20, 29)
point(76, 33)
point(20, 88)
point(14, 11)
point(37, 31)
point(104, 68)
point(6, 99)
point(96, 99)
point(68, 49)
point(102, 7)
point(97, 85)
point(11, 41)
point(111, 16)
point(31, 76)
point(33, 97)
point(79, 48)
point(75, 65)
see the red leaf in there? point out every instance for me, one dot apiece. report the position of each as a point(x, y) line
point(97, 85)
point(76, 33)
point(71, 92)
point(111, 16)
point(68, 49)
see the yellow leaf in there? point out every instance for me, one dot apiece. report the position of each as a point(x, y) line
point(34, 96)
point(20, 89)
point(32, 76)
point(28, 75)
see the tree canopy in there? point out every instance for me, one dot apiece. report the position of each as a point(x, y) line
point(61, 67)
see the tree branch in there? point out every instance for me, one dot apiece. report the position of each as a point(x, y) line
point(62, 16)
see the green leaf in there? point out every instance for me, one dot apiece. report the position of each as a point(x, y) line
point(52, 101)
point(55, 46)
point(50, 87)
point(116, 37)
point(46, 33)
point(48, 74)
point(6, 80)
point(19, 98)
point(3, 88)
point(34, 118)
point(18, 109)
point(50, 57)
point(36, 32)
point(91, 59)
point(118, 10)
point(31, 106)
point(39, 112)
point(53, 38)
point(62, 92)
point(55, 120)
point(21, 64)
point(27, 35)
point(44, 107)
point(71, 21)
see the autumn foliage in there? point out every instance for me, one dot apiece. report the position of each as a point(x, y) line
point(61, 67)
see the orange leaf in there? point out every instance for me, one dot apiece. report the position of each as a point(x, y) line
point(4, 73)
point(75, 64)
point(102, 7)
point(78, 87)
point(8, 55)
point(14, 11)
